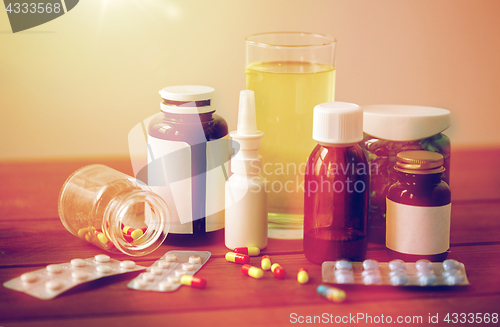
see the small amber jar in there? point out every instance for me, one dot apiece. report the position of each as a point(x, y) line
point(418, 208)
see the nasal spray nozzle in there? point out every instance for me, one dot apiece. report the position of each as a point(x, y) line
point(247, 159)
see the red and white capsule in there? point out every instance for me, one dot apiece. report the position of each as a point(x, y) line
point(278, 271)
point(196, 282)
point(252, 251)
point(237, 257)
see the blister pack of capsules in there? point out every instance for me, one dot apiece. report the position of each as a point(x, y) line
point(166, 273)
point(396, 273)
point(55, 279)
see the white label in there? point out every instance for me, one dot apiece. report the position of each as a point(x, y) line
point(417, 230)
point(169, 175)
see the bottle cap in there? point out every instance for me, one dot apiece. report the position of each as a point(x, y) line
point(338, 123)
point(404, 123)
point(419, 162)
point(187, 99)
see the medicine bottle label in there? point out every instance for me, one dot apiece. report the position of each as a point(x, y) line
point(417, 230)
point(191, 180)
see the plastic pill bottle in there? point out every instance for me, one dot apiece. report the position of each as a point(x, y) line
point(418, 208)
point(96, 203)
point(336, 186)
point(188, 154)
point(388, 130)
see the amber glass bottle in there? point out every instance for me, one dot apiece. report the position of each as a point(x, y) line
point(336, 186)
point(188, 156)
point(418, 208)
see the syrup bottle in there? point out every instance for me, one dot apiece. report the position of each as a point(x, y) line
point(336, 186)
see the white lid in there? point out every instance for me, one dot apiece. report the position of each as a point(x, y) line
point(338, 123)
point(404, 123)
point(187, 93)
point(190, 94)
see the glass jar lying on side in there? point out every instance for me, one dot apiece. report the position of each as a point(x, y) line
point(113, 211)
point(388, 130)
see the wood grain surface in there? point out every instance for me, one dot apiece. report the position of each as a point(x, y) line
point(32, 236)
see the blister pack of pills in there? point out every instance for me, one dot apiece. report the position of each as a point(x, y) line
point(168, 273)
point(55, 279)
point(397, 273)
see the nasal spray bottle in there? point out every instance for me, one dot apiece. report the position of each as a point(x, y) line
point(246, 192)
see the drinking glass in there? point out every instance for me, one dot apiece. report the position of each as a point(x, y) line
point(290, 73)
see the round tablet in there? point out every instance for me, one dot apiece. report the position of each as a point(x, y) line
point(344, 278)
point(101, 258)
point(140, 283)
point(370, 264)
point(454, 279)
point(79, 275)
point(165, 286)
point(54, 285)
point(372, 279)
point(170, 257)
point(173, 279)
point(450, 264)
point(343, 264)
point(156, 270)
point(54, 269)
point(30, 277)
point(127, 264)
point(163, 264)
point(397, 264)
point(148, 277)
point(399, 279)
point(427, 280)
point(423, 265)
point(78, 263)
point(370, 272)
point(188, 266)
point(103, 269)
point(180, 272)
point(194, 259)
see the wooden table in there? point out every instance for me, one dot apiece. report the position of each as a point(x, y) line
point(32, 236)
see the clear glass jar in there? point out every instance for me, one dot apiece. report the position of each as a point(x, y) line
point(388, 130)
point(98, 203)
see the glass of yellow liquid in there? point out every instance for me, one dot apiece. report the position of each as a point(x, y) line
point(290, 73)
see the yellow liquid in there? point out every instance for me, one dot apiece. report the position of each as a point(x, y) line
point(285, 96)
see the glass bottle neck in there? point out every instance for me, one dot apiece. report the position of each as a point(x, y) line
point(136, 207)
point(412, 179)
point(189, 118)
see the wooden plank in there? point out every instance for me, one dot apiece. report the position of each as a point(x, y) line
point(416, 312)
point(229, 289)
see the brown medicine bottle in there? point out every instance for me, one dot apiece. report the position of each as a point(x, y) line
point(187, 163)
point(418, 208)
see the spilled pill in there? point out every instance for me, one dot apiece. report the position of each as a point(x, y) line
point(265, 263)
point(302, 276)
point(193, 281)
point(278, 271)
point(251, 251)
point(252, 271)
point(237, 257)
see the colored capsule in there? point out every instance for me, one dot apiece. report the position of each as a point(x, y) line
point(278, 271)
point(252, 271)
point(193, 281)
point(136, 234)
point(302, 276)
point(237, 257)
point(251, 251)
point(331, 293)
point(128, 230)
point(265, 262)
